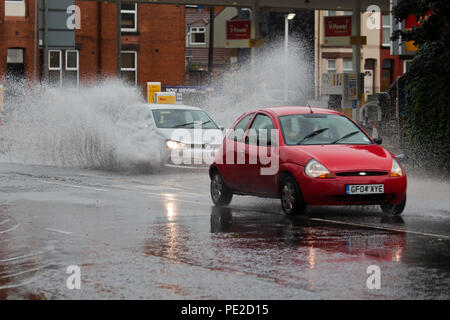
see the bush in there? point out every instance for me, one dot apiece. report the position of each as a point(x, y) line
point(428, 105)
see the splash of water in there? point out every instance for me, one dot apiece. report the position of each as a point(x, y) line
point(103, 127)
point(78, 128)
point(261, 83)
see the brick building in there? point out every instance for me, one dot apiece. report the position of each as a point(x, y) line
point(153, 44)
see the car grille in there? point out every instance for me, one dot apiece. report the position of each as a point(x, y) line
point(202, 146)
point(357, 173)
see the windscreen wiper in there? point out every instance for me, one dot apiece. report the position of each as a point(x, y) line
point(191, 123)
point(312, 134)
point(345, 137)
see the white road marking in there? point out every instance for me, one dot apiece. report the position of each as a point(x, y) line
point(18, 285)
point(381, 228)
point(59, 231)
point(10, 229)
point(21, 257)
point(24, 272)
point(74, 186)
point(4, 221)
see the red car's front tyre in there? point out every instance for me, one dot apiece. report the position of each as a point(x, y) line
point(394, 209)
point(221, 195)
point(291, 197)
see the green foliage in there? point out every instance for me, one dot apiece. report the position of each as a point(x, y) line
point(427, 111)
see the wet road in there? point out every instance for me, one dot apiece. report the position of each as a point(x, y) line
point(160, 237)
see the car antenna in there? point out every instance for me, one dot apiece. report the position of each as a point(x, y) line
point(304, 97)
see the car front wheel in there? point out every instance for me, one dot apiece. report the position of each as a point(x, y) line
point(221, 195)
point(394, 209)
point(291, 197)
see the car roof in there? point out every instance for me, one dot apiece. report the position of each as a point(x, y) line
point(287, 110)
point(159, 106)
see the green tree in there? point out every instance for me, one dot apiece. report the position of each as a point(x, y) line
point(427, 89)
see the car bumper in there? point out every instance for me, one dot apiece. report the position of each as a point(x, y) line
point(333, 191)
point(189, 158)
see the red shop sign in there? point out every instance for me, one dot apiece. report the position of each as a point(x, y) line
point(239, 29)
point(338, 26)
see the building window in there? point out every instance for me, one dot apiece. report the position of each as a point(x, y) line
point(198, 35)
point(129, 67)
point(331, 65)
point(128, 14)
point(386, 19)
point(55, 68)
point(347, 65)
point(15, 8)
point(64, 73)
point(72, 72)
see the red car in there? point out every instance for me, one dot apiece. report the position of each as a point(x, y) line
point(306, 156)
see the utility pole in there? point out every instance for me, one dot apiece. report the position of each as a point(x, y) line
point(119, 35)
point(211, 44)
point(286, 57)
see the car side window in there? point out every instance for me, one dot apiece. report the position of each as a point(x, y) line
point(239, 129)
point(261, 128)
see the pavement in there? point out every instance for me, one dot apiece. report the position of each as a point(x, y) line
point(158, 236)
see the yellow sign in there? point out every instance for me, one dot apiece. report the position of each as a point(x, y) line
point(409, 46)
point(354, 40)
point(165, 97)
point(1, 98)
point(256, 43)
point(152, 88)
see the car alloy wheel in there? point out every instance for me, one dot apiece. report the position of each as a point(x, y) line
point(220, 193)
point(291, 198)
point(394, 209)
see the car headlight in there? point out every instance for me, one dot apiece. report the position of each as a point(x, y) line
point(396, 170)
point(315, 169)
point(174, 145)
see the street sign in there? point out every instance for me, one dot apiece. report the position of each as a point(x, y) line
point(152, 88)
point(61, 30)
point(354, 40)
point(180, 90)
point(165, 97)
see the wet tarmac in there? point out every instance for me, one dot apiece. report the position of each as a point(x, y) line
point(142, 236)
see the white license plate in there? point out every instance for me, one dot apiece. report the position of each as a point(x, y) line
point(364, 188)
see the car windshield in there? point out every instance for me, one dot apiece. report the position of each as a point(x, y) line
point(313, 129)
point(183, 118)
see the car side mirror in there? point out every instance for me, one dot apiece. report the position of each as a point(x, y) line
point(378, 140)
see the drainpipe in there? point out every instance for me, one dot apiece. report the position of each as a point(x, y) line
point(99, 41)
point(35, 40)
point(118, 40)
point(211, 44)
point(45, 40)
